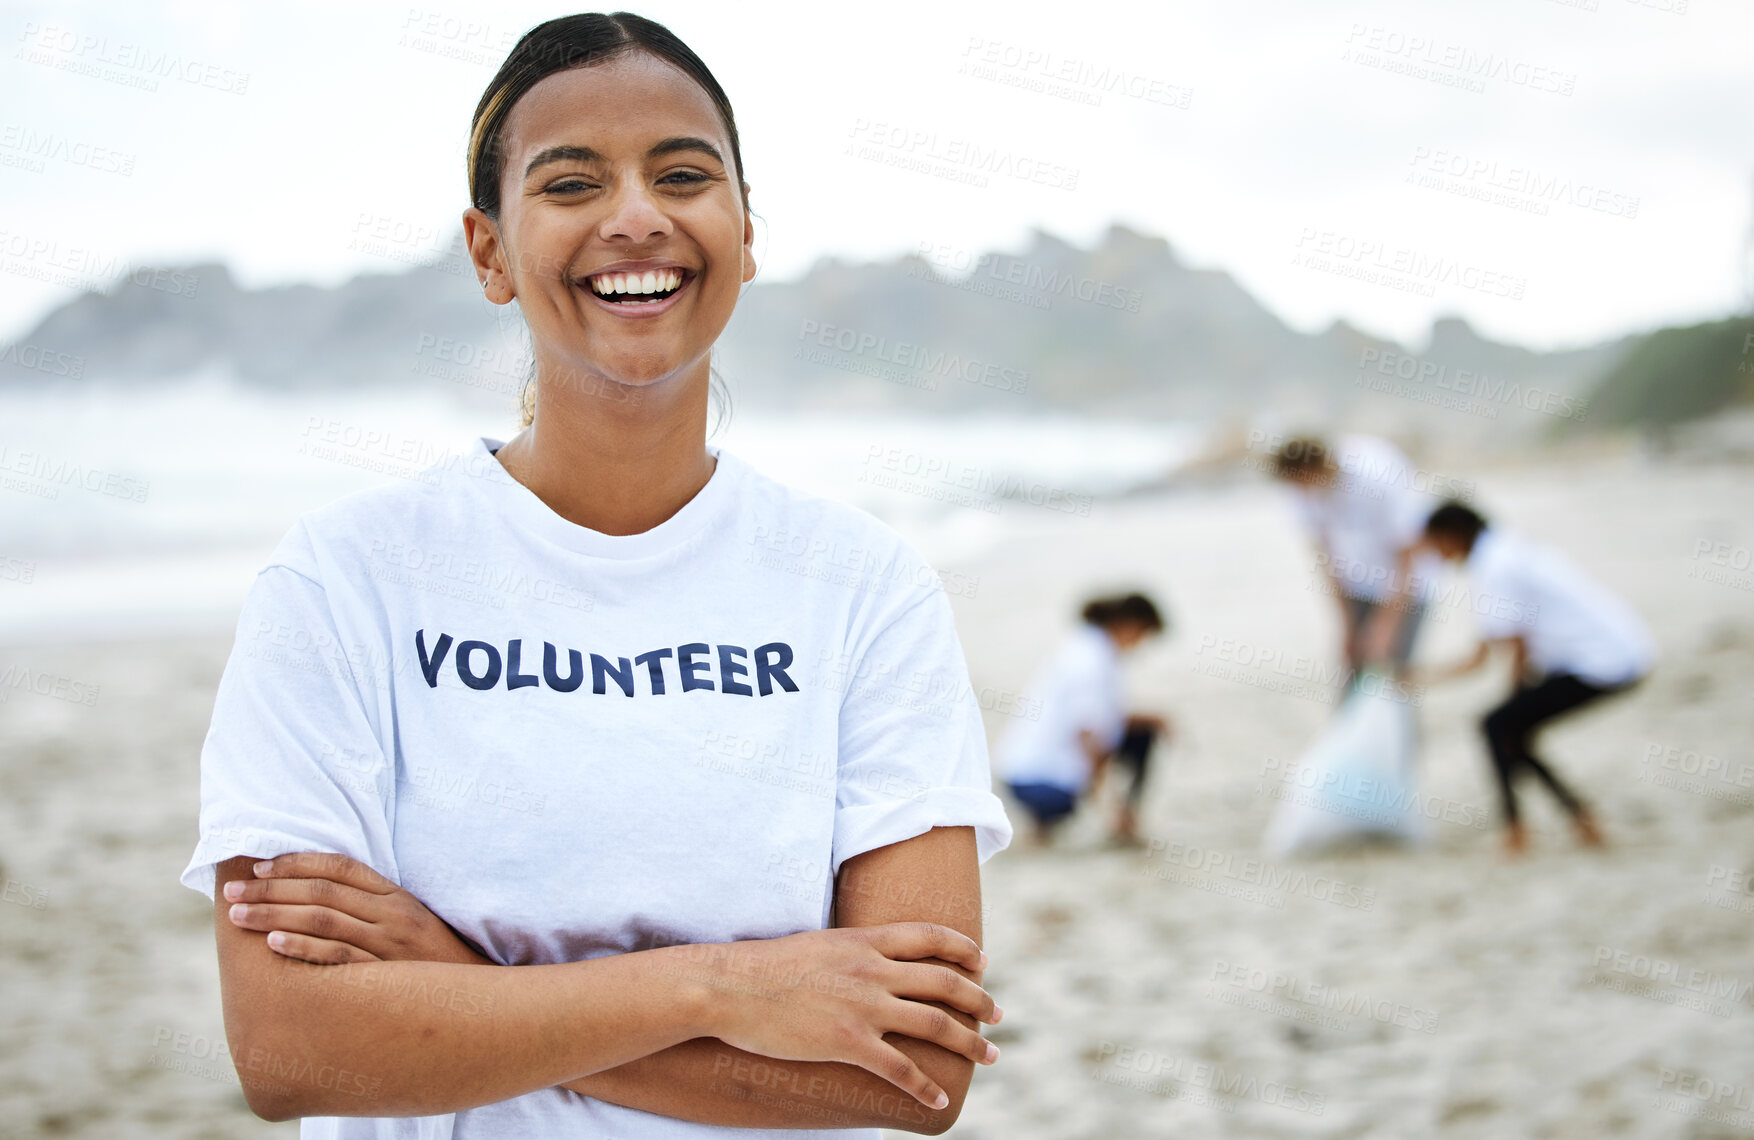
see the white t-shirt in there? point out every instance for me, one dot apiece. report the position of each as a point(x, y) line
point(1078, 690)
point(1373, 509)
point(570, 744)
point(1571, 623)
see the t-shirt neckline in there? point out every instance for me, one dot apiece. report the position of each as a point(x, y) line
point(525, 509)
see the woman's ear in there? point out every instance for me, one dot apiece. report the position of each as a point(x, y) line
point(487, 254)
point(748, 240)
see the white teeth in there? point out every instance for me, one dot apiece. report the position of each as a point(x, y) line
point(655, 281)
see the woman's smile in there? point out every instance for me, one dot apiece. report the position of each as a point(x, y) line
point(639, 290)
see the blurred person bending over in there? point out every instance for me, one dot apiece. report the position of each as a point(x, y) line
point(1356, 498)
point(1571, 640)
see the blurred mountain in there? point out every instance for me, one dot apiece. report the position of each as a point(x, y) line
point(171, 324)
point(1679, 374)
point(1124, 329)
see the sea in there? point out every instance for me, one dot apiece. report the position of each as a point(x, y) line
point(145, 510)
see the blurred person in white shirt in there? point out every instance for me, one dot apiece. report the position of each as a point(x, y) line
point(1572, 641)
point(1084, 728)
point(1358, 500)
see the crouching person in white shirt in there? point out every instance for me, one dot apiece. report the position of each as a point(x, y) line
point(1084, 729)
point(1572, 642)
point(595, 784)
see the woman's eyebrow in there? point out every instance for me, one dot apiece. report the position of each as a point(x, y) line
point(685, 142)
point(562, 154)
point(658, 150)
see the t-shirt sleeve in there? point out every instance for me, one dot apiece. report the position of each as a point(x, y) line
point(913, 752)
point(291, 761)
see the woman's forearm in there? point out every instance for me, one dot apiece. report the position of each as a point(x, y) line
point(426, 1037)
point(419, 1038)
point(709, 1082)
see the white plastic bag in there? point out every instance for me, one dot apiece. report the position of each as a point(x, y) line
point(1356, 781)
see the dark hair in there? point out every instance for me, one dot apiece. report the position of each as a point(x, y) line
point(561, 45)
point(1456, 520)
point(1299, 454)
point(1136, 608)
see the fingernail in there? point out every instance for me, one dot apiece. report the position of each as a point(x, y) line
point(997, 1014)
point(263, 867)
point(277, 940)
point(234, 890)
point(238, 911)
point(983, 962)
point(943, 1101)
point(992, 1052)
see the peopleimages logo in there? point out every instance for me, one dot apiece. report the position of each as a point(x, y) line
point(955, 159)
point(1289, 988)
point(930, 364)
point(1466, 385)
point(1184, 863)
point(1294, 674)
point(1019, 279)
point(1150, 1064)
point(45, 475)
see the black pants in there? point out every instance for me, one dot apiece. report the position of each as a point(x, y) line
point(1131, 754)
point(1510, 726)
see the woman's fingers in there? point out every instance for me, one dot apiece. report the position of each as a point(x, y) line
point(899, 1069)
point(391, 924)
point(922, 982)
point(911, 941)
point(309, 892)
point(321, 951)
point(323, 865)
point(929, 1023)
point(316, 921)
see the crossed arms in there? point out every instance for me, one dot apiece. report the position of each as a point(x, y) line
point(870, 1023)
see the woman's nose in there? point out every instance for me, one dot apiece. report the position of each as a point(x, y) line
point(634, 215)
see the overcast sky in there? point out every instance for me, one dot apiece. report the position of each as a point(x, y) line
point(1556, 172)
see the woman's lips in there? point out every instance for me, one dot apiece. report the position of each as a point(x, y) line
point(640, 309)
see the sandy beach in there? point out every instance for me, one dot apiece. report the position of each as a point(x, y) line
point(1190, 988)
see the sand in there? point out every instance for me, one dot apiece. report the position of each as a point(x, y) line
point(1186, 989)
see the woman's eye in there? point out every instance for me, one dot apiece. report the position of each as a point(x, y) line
point(685, 178)
point(568, 186)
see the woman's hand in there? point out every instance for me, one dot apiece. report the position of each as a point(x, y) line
point(831, 995)
point(331, 909)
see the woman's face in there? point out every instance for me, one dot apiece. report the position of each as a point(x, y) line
point(622, 231)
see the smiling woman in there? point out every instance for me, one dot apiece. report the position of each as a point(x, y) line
point(617, 958)
point(570, 171)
